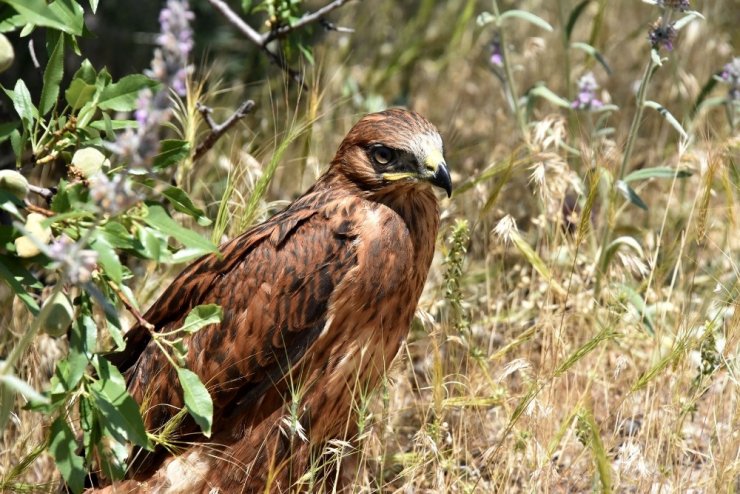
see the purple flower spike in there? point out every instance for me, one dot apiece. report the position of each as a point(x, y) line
point(662, 35)
point(586, 98)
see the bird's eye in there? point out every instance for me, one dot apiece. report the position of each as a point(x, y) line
point(382, 155)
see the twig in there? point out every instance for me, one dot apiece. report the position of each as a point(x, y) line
point(238, 22)
point(303, 21)
point(261, 40)
point(217, 130)
point(137, 315)
point(330, 26)
point(42, 191)
point(38, 209)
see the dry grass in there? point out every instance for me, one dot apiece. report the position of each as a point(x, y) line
point(515, 376)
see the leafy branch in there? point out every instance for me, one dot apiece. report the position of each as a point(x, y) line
point(262, 40)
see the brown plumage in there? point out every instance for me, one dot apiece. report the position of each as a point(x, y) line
point(316, 302)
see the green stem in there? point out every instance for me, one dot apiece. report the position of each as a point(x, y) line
point(601, 265)
point(510, 87)
point(634, 127)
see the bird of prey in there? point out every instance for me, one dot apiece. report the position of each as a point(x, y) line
point(316, 302)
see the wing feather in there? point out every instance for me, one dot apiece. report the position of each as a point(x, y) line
point(273, 283)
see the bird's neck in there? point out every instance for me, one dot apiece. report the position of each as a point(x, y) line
point(414, 203)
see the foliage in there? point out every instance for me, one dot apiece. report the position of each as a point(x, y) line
point(104, 220)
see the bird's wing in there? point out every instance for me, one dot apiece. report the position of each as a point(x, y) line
point(274, 285)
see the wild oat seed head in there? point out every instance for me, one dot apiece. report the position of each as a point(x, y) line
point(506, 228)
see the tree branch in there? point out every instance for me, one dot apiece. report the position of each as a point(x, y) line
point(47, 194)
point(303, 21)
point(238, 22)
point(127, 303)
point(217, 130)
point(261, 40)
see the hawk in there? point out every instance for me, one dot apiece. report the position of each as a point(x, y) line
point(316, 302)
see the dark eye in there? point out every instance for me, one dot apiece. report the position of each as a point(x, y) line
point(382, 155)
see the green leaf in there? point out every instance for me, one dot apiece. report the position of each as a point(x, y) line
point(22, 103)
point(158, 218)
point(182, 202)
point(630, 195)
point(71, 14)
point(117, 235)
point(68, 373)
point(197, 399)
point(614, 246)
point(668, 116)
point(108, 125)
point(86, 73)
point(107, 257)
point(7, 128)
point(118, 408)
point(52, 77)
point(7, 402)
point(585, 47)
point(690, 16)
point(657, 172)
point(38, 13)
point(14, 273)
point(201, 316)
point(152, 245)
point(122, 95)
point(171, 152)
point(84, 334)
point(79, 93)
point(18, 385)
point(704, 93)
point(62, 447)
point(635, 300)
point(544, 92)
point(573, 18)
point(526, 16)
point(94, 6)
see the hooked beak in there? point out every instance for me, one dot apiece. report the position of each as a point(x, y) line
point(436, 172)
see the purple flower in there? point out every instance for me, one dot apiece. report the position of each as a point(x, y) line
point(170, 67)
point(170, 64)
point(77, 264)
point(731, 75)
point(662, 34)
point(586, 98)
point(680, 5)
point(497, 56)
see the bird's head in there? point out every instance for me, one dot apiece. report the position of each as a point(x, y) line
point(390, 148)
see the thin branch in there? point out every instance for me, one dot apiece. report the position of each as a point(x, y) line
point(303, 21)
point(42, 191)
point(261, 40)
point(129, 306)
point(330, 26)
point(217, 130)
point(38, 209)
point(238, 22)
